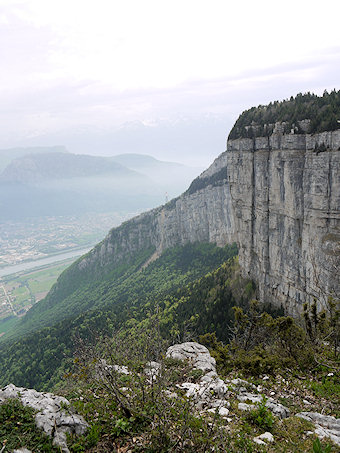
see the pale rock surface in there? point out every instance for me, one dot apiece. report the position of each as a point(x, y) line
point(152, 369)
point(22, 450)
point(103, 369)
point(210, 391)
point(196, 353)
point(286, 206)
point(222, 411)
point(239, 383)
point(262, 439)
point(259, 441)
point(325, 425)
point(206, 393)
point(276, 408)
point(51, 415)
point(246, 407)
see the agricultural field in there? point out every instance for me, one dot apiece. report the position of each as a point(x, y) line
point(19, 292)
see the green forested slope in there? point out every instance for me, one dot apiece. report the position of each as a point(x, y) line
point(127, 284)
point(193, 288)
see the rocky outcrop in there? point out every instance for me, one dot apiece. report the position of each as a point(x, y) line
point(278, 197)
point(277, 409)
point(53, 414)
point(210, 393)
point(196, 353)
point(325, 425)
point(286, 204)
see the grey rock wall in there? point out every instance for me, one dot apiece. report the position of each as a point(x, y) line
point(286, 204)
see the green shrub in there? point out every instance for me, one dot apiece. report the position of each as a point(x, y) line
point(261, 416)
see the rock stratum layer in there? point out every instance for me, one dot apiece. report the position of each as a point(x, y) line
point(278, 197)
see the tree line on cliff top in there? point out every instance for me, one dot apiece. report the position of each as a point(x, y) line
point(323, 112)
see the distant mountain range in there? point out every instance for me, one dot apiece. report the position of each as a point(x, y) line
point(8, 154)
point(57, 165)
point(53, 181)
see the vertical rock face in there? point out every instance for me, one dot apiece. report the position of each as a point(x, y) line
point(286, 205)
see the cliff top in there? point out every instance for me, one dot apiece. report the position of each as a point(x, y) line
point(304, 113)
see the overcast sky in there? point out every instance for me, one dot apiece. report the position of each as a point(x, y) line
point(163, 77)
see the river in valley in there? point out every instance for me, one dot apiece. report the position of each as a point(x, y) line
point(30, 265)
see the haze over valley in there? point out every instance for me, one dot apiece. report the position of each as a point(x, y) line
point(56, 205)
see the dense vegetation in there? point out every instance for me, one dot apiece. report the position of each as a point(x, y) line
point(322, 111)
point(217, 179)
point(127, 284)
point(194, 287)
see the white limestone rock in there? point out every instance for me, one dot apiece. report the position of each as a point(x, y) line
point(222, 411)
point(21, 450)
point(51, 416)
point(152, 370)
point(210, 391)
point(237, 383)
point(264, 438)
point(198, 354)
point(246, 407)
point(276, 408)
point(285, 199)
point(259, 441)
point(325, 425)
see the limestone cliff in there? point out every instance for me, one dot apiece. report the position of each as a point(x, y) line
point(286, 204)
point(278, 197)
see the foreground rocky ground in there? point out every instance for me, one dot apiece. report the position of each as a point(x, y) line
point(269, 413)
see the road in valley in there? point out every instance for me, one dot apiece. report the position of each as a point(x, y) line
point(9, 302)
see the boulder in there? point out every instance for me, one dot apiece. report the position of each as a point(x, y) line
point(54, 415)
point(198, 354)
point(264, 438)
